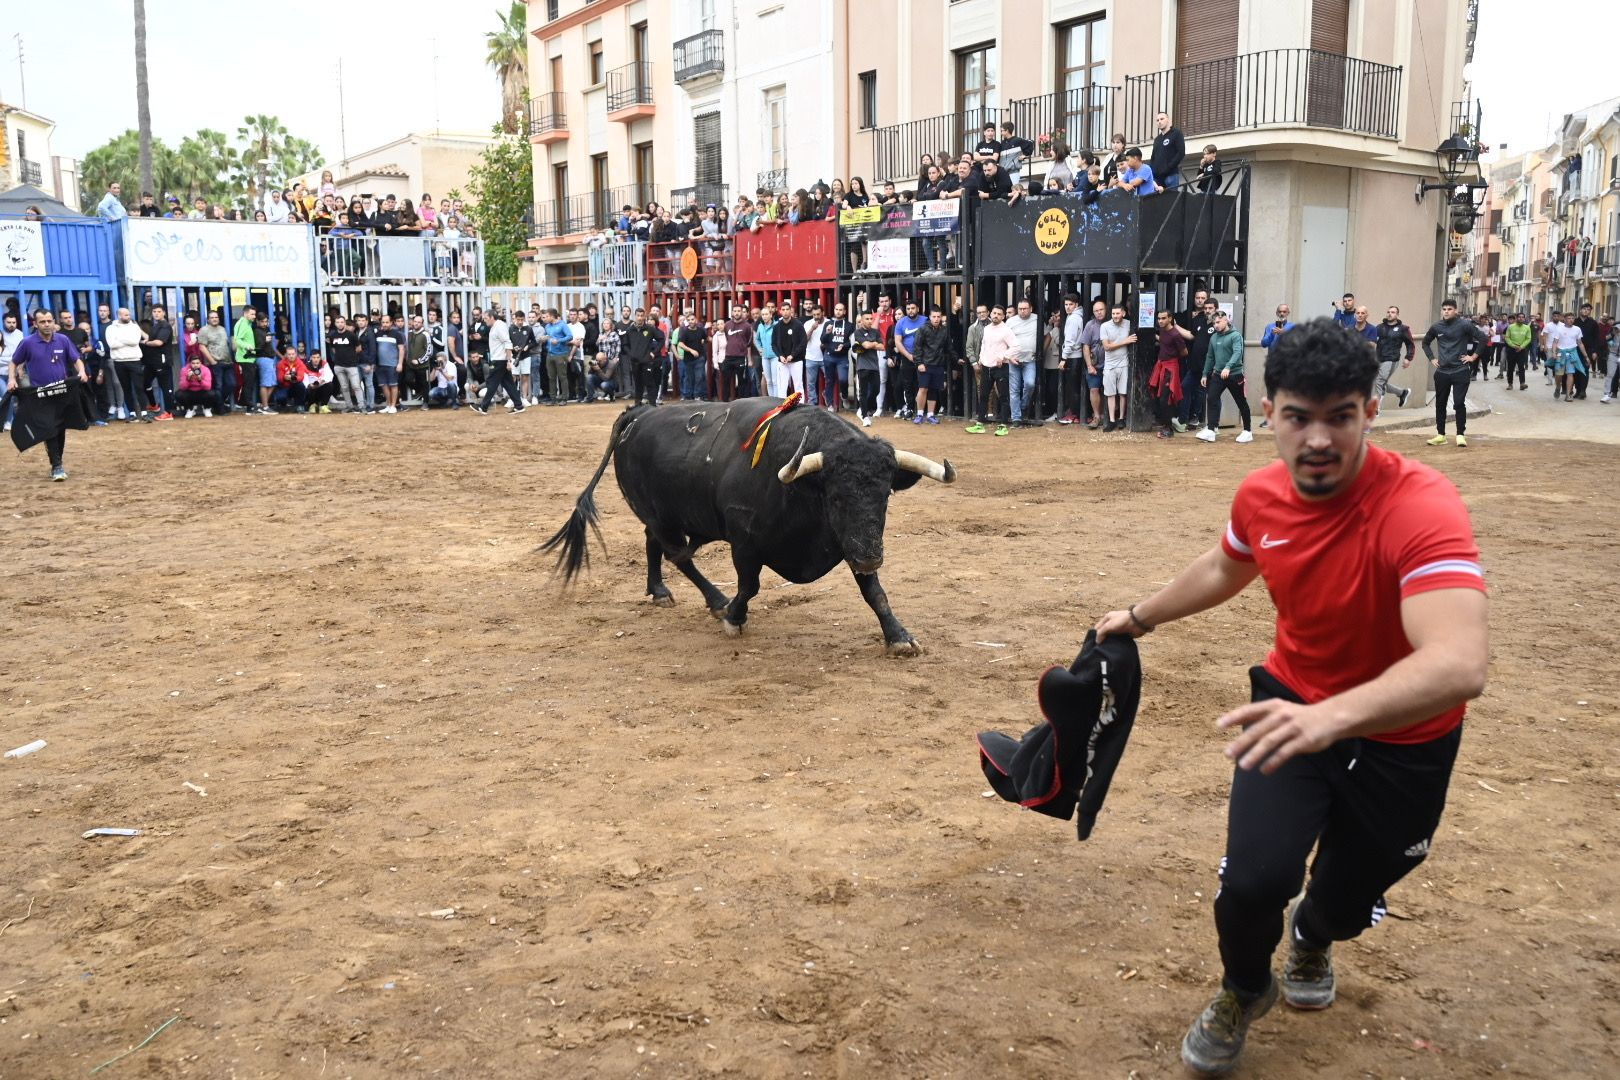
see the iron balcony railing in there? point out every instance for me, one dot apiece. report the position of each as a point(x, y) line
point(28, 172)
point(773, 181)
point(546, 114)
point(588, 210)
point(1608, 261)
point(373, 260)
point(1274, 88)
point(703, 53)
point(897, 149)
point(1081, 119)
point(629, 85)
point(701, 195)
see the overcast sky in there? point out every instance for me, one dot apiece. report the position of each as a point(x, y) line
point(212, 63)
point(1534, 62)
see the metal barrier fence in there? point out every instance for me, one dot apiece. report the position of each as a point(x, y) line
point(564, 297)
point(621, 264)
point(395, 260)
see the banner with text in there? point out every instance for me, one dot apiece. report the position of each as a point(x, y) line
point(22, 249)
point(168, 252)
point(932, 217)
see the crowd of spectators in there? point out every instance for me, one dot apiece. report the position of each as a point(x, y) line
point(362, 215)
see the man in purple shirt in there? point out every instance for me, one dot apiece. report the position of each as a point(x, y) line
point(40, 361)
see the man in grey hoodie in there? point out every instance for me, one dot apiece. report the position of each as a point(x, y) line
point(1459, 344)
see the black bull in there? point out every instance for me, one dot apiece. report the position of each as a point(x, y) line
point(818, 497)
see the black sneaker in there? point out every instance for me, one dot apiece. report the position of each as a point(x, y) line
point(1307, 976)
point(1404, 393)
point(1215, 1040)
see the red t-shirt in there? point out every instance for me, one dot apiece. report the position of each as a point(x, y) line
point(1338, 569)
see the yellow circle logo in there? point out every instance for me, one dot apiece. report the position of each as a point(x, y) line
point(1051, 231)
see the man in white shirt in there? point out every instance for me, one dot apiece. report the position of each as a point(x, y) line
point(124, 339)
point(815, 359)
point(276, 212)
point(1021, 376)
point(1117, 339)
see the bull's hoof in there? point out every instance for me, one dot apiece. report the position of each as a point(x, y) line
point(908, 647)
point(664, 601)
point(720, 612)
point(732, 629)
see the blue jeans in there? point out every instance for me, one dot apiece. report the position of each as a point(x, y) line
point(225, 384)
point(692, 379)
point(1171, 181)
point(1192, 394)
point(814, 370)
point(1021, 378)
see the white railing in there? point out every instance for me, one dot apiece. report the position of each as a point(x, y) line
point(398, 260)
point(623, 263)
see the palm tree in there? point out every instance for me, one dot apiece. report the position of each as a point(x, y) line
point(508, 53)
point(143, 104)
point(199, 160)
point(266, 139)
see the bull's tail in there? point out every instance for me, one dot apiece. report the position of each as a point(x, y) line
point(572, 540)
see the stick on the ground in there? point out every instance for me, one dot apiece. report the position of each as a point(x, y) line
point(137, 1046)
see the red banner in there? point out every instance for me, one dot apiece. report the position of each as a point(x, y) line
point(778, 254)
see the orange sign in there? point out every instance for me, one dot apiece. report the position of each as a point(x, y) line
point(689, 264)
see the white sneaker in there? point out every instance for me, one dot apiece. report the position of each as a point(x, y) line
point(866, 421)
point(1605, 399)
point(1245, 436)
point(391, 410)
point(1051, 419)
point(208, 413)
point(510, 404)
point(1206, 435)
point(191, 412)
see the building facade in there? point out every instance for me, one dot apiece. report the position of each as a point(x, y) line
point(429, 162)
point(636, 101)
point(26, 158)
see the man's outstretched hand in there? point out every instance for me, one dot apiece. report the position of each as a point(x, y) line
point(1274, 731)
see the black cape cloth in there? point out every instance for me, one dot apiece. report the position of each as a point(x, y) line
point(44, 412)
point(1068, 761)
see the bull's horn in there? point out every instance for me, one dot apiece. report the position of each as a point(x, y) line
point(802, 464)
point(945, 474)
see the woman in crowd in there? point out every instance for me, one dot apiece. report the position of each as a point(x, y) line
point(724, 217)
point(925, 163)
point(1061, 170)
point(802, 210)
point(835, 198)
point(429, 216)
point(857, 196)
point(358, 218)
point(410, 224)
point(1115, 162)
point(260, 217)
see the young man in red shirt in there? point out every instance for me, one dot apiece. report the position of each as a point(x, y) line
point(1350, 738)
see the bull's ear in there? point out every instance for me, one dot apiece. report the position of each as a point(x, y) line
point(904, 478)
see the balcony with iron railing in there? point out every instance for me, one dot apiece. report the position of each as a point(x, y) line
point(574, 215)
point(548, 123)
point(773, 181)
point(619, 264)
point(700, 195)
point(629, 91)
point(701, 56)
point(1608, 262)
point(28, 172)
point(1276, 88)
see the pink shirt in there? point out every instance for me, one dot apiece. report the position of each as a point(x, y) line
point(1000, 345)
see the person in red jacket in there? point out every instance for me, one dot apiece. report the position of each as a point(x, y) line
point(291, 379)
point(196, 389)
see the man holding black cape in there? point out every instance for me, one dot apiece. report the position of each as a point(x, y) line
point(48, 402)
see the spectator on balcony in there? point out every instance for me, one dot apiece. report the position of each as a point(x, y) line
point(924, 163)
point(428, 212)
point(1169, 149)
point(1060, 170)
point(217, 213)
point(1115, 161)
point(148, 207)
point(1014, 152)
point(988, 148)
point(111, 206)
point(835, 197)
point(856, 197)
point(803, 208)
point(1209, 170)
point(1136, 177)
point(990, 184)
point(275, 211)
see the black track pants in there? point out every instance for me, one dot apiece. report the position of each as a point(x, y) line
point(1369, 808)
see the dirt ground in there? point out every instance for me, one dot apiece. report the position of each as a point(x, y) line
point(670, 853)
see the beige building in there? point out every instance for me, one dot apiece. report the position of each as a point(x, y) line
point(26, 158)
point(431, 162)
point(1339, 105)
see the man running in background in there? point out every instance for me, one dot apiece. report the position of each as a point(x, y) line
point(1393, 345)
point(1460, 341)
point(1355, 716)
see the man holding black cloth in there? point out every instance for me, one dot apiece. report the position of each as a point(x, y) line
point(48, 403)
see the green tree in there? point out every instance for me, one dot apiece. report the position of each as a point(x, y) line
point(507, 51)
point(500, 188)
point(206, 163)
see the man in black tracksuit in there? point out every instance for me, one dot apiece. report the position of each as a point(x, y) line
point(1460, 341)
point(788, 339)
point(932, 354)
point(1394, 339)
point(640, 346)
point(1597, 354)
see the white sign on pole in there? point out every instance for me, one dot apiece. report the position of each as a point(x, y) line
point(1148, 310)
point(22, 249)
point(889, 256)
point(168, 252)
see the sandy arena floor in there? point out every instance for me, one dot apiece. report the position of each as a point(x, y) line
point(674, 854)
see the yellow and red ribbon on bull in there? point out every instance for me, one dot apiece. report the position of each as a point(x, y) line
point(762, 430)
